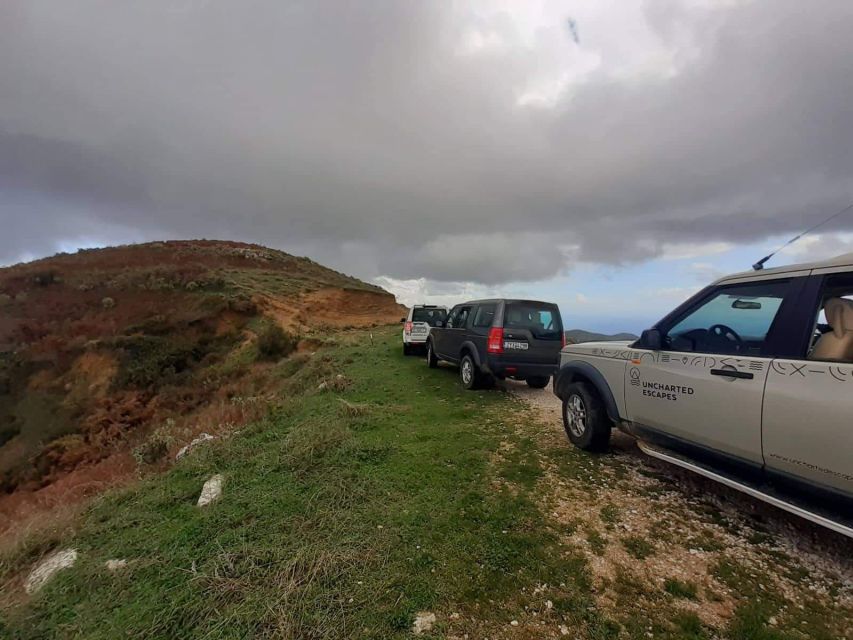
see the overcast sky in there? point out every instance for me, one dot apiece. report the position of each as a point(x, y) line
point(442, 148)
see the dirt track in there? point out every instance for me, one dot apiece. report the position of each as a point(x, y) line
point(692, 524)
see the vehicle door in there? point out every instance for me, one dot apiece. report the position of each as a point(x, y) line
point(533, 331)
point(706, 384)
point(808, 402)
point(454, 333)
point(483, 318)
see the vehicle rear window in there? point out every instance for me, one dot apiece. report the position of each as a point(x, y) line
point(485, 315)
point(543, 321)
point(430, 316)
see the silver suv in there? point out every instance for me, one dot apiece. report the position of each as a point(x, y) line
point(418, 323)
point(749, 382)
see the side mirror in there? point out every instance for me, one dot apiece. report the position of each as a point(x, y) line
point(439, 323)
point(402, 320)
point(651, 339)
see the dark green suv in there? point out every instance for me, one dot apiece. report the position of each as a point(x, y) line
point(498, 339)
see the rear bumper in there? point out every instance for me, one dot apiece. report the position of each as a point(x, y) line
point(501, 367)
point(417, 338)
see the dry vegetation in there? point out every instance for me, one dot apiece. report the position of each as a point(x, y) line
point(111, 359)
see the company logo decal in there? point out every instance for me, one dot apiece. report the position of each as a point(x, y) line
point(635, 376)
point(671, 392)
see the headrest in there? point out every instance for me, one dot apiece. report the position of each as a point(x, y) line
point(839, 315)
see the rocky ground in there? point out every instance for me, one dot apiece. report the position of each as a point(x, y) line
point(648, 527)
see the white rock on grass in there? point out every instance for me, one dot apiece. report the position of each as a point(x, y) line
point(424, 621)
point(48, 568)
point(202, 437)
point(115, 565)
point(211, 491)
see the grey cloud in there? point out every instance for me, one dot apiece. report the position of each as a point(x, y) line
point(359, 135)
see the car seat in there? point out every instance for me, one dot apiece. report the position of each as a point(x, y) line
point(838, 343)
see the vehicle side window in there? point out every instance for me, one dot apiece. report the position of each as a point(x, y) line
point(458, 317)
point(833, 330)
point(452, 317)
point(731, 320)
point(485, 315)
point(464, 314)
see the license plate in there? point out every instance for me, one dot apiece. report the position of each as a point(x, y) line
point(512, 344)
point(419, 330)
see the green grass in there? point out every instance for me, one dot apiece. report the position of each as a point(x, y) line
point(335, 522)
point(345, 512)
point(610, 514)
point(638, 547)
point(597, 542)
point(679, 589)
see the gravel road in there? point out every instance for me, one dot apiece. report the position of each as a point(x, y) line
point(697, 521)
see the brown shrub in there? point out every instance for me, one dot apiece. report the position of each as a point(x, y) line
point(275, 343)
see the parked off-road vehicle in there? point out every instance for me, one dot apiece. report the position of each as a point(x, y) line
point(489, 339)
point(749, 382)
point(418, 323)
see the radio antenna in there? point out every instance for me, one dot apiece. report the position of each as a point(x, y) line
point(758, 266)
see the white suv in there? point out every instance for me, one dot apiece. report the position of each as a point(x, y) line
point(749, 382)
point(417, 325)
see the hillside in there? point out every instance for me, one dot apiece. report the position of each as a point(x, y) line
point(112, 358)
point(393, 505)
point(574, 336)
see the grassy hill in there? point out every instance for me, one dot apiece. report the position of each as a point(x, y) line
point(375, 490)
point(114, 356)
point(574, 336)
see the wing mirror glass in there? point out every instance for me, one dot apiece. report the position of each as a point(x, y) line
point(651, 339)
point(439, 323)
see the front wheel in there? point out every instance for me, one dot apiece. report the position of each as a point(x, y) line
point(538, 382)
point(432, 361)
point(585, 418)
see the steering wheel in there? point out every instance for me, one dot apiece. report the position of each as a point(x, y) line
point(725, 331)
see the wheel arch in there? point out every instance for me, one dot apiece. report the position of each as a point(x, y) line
point(469, 348)
point(580, 371)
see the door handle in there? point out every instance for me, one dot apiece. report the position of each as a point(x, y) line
point(732, 373)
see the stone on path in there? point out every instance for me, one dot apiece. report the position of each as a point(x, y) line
point(115, 565)
point(49, 567)
point(423, 622)
point(211, 491)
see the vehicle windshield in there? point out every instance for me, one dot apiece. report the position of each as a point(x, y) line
point(430, 316)
point(542, 320)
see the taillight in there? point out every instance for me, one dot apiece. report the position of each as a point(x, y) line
point(408, 327)
point(496, 340)
point(562, 338)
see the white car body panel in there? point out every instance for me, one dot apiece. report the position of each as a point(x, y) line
point(808, 421)
point(610, 358)
point(419, 331)
point(675, 393)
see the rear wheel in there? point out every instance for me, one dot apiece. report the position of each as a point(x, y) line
point(585, 418)
point(469, 373)
point(432, 361)
point(538, 382)
point(407, 350)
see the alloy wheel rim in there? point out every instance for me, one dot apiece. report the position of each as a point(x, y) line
point(467, 372)
point(576, 415)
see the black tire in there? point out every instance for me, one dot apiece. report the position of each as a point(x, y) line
point(469, 373)
point(407, 350)
point(432, 361)
point(538, 382)
point(585, 418)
